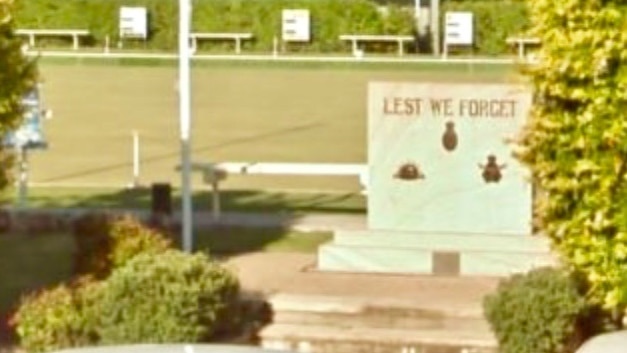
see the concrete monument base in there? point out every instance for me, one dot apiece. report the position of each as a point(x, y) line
point(431, 253)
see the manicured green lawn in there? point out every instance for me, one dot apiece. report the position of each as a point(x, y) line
point(234, 240)
point(231, 200)
point(31, 262)
point(242, 111)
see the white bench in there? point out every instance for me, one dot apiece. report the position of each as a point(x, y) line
point(356, 38)
point(237, 37)
point(521, 42)
point(74, 33)
point(214, 173)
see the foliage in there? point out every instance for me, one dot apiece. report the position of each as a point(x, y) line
point(169, 297)
point(17, 77)
point(93, 244)
point(536, 312)
point(329, 18)
point(130, 237)
point(56, 318)
point(153, 297)
point(575, 140)
point(494, 21)
point(104, 242)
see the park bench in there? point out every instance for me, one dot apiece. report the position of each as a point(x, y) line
point(522, 43)
point(237, 37)
point(74, 33)
point(214, 173)
point(356, 38)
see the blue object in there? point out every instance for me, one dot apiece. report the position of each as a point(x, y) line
point(30, 134)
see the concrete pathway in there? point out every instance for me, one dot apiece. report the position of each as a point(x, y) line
point(293, 273)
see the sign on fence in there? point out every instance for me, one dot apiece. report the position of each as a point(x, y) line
point(458, 29)
point(133, 22)
point(296, 26)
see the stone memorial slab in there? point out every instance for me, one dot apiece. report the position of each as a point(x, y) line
point(439, 160)
point(445, 195)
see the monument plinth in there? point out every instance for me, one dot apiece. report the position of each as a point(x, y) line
point(445, 194)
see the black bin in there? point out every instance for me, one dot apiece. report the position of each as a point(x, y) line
point(161, 199)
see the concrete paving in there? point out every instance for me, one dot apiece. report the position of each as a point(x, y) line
point(290, 273)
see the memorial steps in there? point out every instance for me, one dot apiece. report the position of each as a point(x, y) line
point(327, 324)
point(431, 253)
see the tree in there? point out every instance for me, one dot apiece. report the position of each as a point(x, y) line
point(576, 140)
point(18, 75)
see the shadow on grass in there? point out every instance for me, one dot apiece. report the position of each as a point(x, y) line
point(156, 158)
point(230, 200)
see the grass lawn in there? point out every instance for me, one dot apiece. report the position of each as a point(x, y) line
point(242, 111)
point(28, 263)
point(234, 240)
point(231, 200)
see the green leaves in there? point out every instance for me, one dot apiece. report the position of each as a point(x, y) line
point(142, 291)
point(575, 139)
point(535, 312)
point(169, 297)
point(18, 75)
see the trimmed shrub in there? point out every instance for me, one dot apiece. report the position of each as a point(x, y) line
point(536, 312)
point(495, 20)
point(56, 318)
point(93, 244)
point(130, 237)
point(169, 297)
point(104, 242)
point(262, 18)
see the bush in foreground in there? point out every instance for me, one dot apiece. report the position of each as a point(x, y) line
point(56, 318)
point(168, 297)
point(537, 312)
point(129, 238)
point(104, 242)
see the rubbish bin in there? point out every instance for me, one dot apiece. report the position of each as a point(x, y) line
point(161, 199)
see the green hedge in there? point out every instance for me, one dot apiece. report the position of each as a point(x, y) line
point(153, 297)
point(168, 297)
point(330, 18)
point(541, 311)
point(494, 22)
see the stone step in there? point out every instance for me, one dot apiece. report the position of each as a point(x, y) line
point(443, 241)
point(375, 313)
point(333, 339)
point(393, 258)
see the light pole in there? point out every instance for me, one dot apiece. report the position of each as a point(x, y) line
point(185, 123)
point(435, 26)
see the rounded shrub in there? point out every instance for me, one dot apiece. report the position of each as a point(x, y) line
point(130, 237)
point(57, 318)
point(92, 244)
point(167, 297)
point(105, 241)
point(536, 312)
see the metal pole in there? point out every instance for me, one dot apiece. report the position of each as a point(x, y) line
point(135, 182)
point(22, 190)
point(421, 21)
point(435, 26)
point(185, 123)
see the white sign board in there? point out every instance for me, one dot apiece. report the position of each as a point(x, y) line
point(458, 28)
point(296, 26)
point(133, 22)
